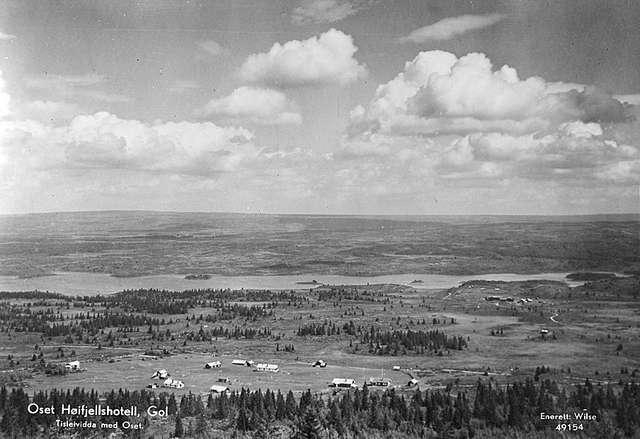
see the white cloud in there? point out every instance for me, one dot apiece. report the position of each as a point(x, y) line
point(256, 105)
point(104, 141)
point(84, 86)
point(633, 99)
point(450, 27)
point(5, 98)
point(7, 37)
point(457, 122)
point(438, 93)
point(212, 47)
point(327, 59)
point(322, 11)
point(182, 86)
point(48, 111)
point(581, 129)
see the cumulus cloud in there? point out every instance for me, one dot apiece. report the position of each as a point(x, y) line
point(452, 120)
point(322, 11)
point(6, 37)
point(327, 59)
point(633, 99)
point(86, 86)
point(103, 140)
point(212, 47)
point(5, 98)
point(256, 105)
point(48, 111)
point(450, 27)
point(182, 86)
point(438, 93)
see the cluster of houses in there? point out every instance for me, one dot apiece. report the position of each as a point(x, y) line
point(223, 384)
point(167, 382)
point(73, 366)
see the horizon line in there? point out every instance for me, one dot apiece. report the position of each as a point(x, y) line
point(52, 212)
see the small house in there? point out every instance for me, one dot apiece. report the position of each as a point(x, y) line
point(264, 367)
point(412, 382)
point(396, 367)
point(217, 388)
point(72, 365)
point(320, 363)
point(213, 365)
point(343, 382)
point(247, 363)
point(378, 382)
point(173, 384)
point(161, 374)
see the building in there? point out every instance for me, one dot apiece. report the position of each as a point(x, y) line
point(173, 384)
point(396, 367)
point(217, 388)
point(378, 382)
point(264, 367)
point(213, 365)
point(343, 382)
point(161, 374)
point(320, 363)
point(247, 363)
point(412, 382)
point(72, 365)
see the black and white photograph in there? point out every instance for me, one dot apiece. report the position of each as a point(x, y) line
point(320, 219)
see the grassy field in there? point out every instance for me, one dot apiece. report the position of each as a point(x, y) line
point(598, 339)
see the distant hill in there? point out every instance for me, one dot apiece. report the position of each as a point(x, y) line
point(130, 243)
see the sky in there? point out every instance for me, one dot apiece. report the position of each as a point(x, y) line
point(320, 106)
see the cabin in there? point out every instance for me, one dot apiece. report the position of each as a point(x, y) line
point(412, 382)
point(161, 374)
point(217, 388)
point(320, 363)
point(72, 365)
point(213, 365)
point(343, 383)
point(173, 384)
point(247, 363)
point(378, 382)
point(264, 367)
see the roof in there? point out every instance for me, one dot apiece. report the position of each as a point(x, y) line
point(267, 366)
point(218, 388)
point(343, 381)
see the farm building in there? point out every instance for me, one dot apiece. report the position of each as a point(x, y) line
point(264, 367)
point(173, 384)
point(320, 363)
point(247, 363)
point(72, 365)
point(217, 388)
point(378, 382)
point(412, 382)
point(343, 382)
point(213, 365)
point(161, 374)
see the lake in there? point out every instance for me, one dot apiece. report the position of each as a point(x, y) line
point(76, 283)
